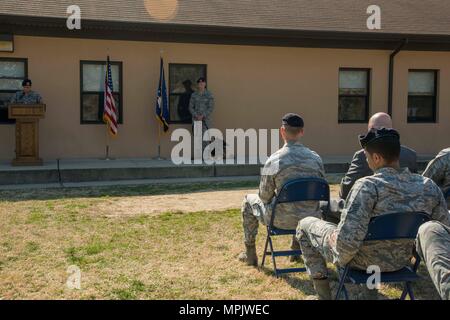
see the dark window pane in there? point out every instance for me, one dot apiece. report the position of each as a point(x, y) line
point(182, 83)
point(11, 75)
point(93, 104)
point(5, 97)
point(92, 87)
point(92, 107)
point(353, 94)
point(421, 109)
point(352, 109)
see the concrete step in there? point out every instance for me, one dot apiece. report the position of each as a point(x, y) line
point(95, 170)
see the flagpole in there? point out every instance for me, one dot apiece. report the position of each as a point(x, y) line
point(159, 143)
point(107, 143)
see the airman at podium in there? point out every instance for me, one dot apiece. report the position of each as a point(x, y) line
point(26, 95)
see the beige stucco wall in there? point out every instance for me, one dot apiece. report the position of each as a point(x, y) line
point(253, 87)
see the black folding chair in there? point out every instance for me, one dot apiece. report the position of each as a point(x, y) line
point(302, 189)
point(391, 226)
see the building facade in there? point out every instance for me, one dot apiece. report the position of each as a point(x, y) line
point(334, 87)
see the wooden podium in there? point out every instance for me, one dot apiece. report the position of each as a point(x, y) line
point(27, 132)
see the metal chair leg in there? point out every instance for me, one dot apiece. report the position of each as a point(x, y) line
point(265, 249)
point(341, 284)
point(404, 292)
point(273, 257)
point(410, 292)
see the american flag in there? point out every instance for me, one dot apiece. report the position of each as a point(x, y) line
point(109, 111)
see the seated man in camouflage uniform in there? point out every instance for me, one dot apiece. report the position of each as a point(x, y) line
point(292, 161)
point(359, 168)
point(433, 245)
point(439, 171)
point(388, 190)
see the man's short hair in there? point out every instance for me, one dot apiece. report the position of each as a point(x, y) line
point(26, 82)
point(292, 131)
point(293, 120)
point(385, 142)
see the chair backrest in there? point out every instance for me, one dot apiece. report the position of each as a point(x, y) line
point(447, 194)
point(304, 189)
point(401, 225)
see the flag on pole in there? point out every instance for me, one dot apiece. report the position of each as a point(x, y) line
point(162, 108)
point(109, 107)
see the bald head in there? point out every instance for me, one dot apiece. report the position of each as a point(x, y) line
point(380, 120)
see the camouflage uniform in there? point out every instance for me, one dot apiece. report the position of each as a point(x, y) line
point(202, 104)
point(31, 98)
point(387, 191)
point(292, 161)
point(359, 168)
point(439, 171)
point(433, 245)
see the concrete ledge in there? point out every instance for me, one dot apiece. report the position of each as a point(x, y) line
point(107, 174)
point(96, 170)
point(47, 173)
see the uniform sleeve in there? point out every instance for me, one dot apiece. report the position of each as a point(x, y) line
point(321, 169)
point(355, 219)
point(210, 107)
point(435, 170)
point(267, 184)
point(440, 212)
point(38, 98)
point(13, 98)
point(358, 169)
point(191, 106)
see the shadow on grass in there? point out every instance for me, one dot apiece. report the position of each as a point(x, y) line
point(292, 279)
point(422, 289)
point(121, 191)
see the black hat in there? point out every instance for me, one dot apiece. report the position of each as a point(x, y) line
point(377, 135)
point(292, 120)
point(201, 79)
point(26, 82)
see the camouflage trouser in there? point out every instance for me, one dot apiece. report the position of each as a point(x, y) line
point(254, 212)
point(196, 131)
point(313, 235)
point(433, 245)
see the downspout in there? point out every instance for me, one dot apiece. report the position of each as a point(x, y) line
point(391, 73)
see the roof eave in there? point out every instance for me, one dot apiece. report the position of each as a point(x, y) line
point(167, 32)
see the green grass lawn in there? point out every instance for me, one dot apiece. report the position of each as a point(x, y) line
point(171, 255)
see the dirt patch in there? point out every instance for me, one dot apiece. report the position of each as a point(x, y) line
point(187, 202)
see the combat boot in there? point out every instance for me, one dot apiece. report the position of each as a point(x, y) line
point(249, 256)
point(322, 287)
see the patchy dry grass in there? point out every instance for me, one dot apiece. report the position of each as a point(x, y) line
point(171, 255)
